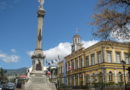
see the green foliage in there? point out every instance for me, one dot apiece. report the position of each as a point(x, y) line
point(12, 80)
point(120, 83)
point(128, 83)
point(110, 83)
point(3, 77)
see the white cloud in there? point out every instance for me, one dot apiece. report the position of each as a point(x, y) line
point(2, 55)
point(29, 53)
point(62, 49)
point(87, 44)
point(9, 58)
point(13, 50)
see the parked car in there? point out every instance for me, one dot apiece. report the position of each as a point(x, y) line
point(1, 86)
point(10, 86)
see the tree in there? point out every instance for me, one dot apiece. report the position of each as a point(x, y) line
point(113, 19)
point(2, 72)
point(3, 77)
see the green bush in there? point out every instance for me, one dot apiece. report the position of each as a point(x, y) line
point(110, 83)
point(120, 83)
point(128, 83)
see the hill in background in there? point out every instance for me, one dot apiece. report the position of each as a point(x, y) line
point(11, 72)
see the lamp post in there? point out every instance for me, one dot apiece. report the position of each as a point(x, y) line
point(123, 65)
point(128, 73)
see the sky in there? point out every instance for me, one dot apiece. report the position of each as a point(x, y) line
point(18, 28)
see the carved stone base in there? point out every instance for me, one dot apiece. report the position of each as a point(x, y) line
point(39, 82)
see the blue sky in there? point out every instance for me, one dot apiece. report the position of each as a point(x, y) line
point(18, 27)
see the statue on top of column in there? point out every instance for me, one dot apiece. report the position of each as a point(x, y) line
point(41, 3)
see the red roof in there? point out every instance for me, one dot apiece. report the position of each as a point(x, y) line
point(49, 73)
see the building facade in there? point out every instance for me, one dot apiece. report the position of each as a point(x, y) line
point(100, 63)
point(60, 73)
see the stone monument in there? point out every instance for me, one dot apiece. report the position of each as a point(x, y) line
point(38, 80)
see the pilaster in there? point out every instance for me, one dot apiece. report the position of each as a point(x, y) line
point(74, 64)
point(115, 76)
point(83, 79)
point(122, 55)
point(78, 80)
point(78, 62)
point(113, 56)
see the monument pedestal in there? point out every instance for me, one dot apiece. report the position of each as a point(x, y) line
point(39, 81)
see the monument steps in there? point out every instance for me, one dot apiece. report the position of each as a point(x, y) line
point(39, 83)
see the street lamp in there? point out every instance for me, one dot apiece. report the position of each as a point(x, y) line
point(123, 65)
point(128, 73)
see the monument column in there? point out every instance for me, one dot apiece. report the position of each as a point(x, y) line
point(38, 55)
point(38, 80)
point(41, 14)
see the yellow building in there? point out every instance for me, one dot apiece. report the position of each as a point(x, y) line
point(60, 73)
point(100, 63)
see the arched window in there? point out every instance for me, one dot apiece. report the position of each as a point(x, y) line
point(81, 79)
point(120, 77)
point(87, 79)
point(93, 77)
point(92, 59)
point(109, 56)
point(76, 79)
point(99, 58)
point(110, 76)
